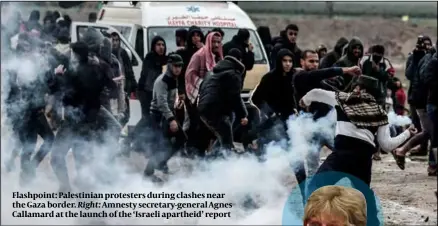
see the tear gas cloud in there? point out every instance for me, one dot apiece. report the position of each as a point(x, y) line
point(268, 183)
point(398, 120)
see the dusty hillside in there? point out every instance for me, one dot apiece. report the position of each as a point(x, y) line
point(314, 30)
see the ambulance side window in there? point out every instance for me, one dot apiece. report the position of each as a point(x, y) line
point(134, 61)
point(139, 42)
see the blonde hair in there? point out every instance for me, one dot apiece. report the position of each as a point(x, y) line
point(339, 201)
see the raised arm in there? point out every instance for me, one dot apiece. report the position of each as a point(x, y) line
point(388, 143)
point(320, 95)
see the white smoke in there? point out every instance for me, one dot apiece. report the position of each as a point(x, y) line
point(267, 183)
point(398, 120)
point(238, 178)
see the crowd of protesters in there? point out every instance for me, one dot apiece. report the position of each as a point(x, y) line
point(81, 90)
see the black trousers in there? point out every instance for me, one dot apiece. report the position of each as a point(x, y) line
point(78, 136)
point(140, 133)
point(145, 98)
point(221, 128)
point(416, 121)
point(165, 143)
point(196, 140)
point(28, 131)
point(355, 163)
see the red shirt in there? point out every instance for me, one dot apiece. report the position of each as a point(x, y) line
point(400, 95)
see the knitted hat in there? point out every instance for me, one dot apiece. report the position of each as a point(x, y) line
point(175, 59)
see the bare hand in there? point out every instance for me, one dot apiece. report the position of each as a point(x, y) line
point(60, 69)
point(412, 130)
point(375, 66)
point(354, 71)
point(302, 104)
point(181, 97)
point(173, 126)
point(244, 121)
point(250, 47)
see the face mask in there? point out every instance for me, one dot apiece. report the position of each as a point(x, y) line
point(377, 59)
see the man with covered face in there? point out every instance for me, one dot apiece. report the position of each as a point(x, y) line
point(241, 42)
point(219, 98)
point(82, 84)
point(163, 121)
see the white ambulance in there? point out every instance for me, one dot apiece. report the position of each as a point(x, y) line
point(138, 23)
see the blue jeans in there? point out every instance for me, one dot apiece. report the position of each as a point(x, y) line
point(432, 111)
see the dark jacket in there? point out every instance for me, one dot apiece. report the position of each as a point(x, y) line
point(82, 88)
point(417, 95)
point(283, 43)
point(33, 22)
point(274, 93)
point(381, 75)
point(123, 58)
point(349, 60)
point(219, 94)
point(304, 81)
point(333, 56)
point(186, 53)
point(247, 56)
point(164, 95)
point(265, 36)
point(152, 67)
point(431, 80)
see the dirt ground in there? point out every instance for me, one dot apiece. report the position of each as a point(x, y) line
point(407, 197)
point(398, 37)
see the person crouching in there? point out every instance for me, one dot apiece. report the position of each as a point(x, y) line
point(219, 97)
point(163, 120)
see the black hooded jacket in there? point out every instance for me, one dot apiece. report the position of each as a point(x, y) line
point(82, 86)
point(349, 60)
point(187, 53)
point(333, 56)
point(247, 56)
point(219, 94)
point(275, 93)
point(265, 36)
point(284, 43)
point(33, 22)
point(417, 95)
point(152, 66)
point(430, 77)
